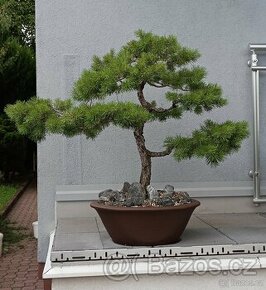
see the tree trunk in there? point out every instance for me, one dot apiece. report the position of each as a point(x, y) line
point(145, 176)
point(145, 154)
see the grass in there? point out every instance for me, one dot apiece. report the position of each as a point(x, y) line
point(12, 234)
point(6, 194)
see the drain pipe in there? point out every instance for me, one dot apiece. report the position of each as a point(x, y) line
point(255, 173)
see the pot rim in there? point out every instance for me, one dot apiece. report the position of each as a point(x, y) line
point(96, 205)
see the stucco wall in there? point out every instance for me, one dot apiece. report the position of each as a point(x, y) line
point(70, 32)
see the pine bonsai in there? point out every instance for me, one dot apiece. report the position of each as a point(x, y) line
point(150, 60)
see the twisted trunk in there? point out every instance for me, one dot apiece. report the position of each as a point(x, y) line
point(145, 154)
point(145, 176)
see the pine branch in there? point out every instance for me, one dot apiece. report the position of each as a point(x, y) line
point(139, 136)
point(156, 85)
point(166, 152)
point(58, 112)
point(147, 105)
point(212, 141)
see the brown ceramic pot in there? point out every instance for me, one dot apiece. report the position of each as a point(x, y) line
point(145, 226)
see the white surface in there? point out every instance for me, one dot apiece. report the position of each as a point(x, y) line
point(211, 273)
point(236, 271)
point(150, 266)
point(188, 281)
point(86, 239)
point(74, 201)
point(168, 265)
point(35, 229)
point(195, 189)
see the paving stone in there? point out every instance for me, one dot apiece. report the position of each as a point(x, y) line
point(76, 225)
point(198, 233)
point(241, 227)
point(18, 284)
point(81, 241)
point(246, 235)
point(234, 219)
point(20, 264)
point(100, 225)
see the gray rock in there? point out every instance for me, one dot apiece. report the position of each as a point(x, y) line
point(128, 202)
point(186, 195)
point(121, 196)
point(115, 196)
point(135, 195)
point(166, 201)
point(153, 193)
point(105, 195)
point(134, 201)
point(126, 187)
point(181, 197)
point(136, 189)
point(169, 190)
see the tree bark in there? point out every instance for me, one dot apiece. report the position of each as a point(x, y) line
point(145, 154)
point(145, 176)
point(148, 106)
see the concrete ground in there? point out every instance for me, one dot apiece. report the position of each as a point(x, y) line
point(202, 230)
point(19, 267)
point(219, 238)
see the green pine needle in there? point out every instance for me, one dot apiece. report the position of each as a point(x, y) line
point(212, 141)
point(148, 60)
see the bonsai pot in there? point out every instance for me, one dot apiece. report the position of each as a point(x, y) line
point(145, 226)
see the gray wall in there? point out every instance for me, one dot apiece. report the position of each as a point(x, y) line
point(70, 32)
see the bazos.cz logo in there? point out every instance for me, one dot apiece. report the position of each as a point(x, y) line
point(123, 268)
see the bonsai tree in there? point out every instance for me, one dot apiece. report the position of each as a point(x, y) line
point(149, 60)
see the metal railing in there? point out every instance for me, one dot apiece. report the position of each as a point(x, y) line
point(255, 69)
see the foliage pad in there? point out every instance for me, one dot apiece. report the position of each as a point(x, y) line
point(149, 60)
